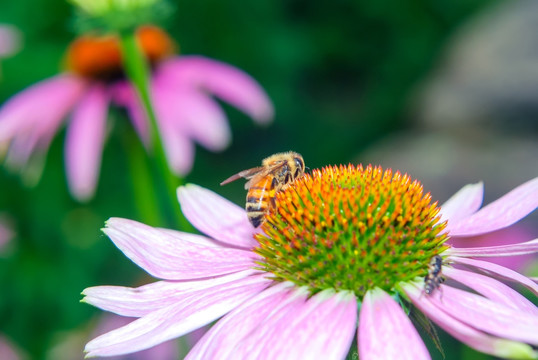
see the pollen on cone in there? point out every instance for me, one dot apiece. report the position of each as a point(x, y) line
point(351, 228)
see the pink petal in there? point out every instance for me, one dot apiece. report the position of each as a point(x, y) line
point(10, 40)
point(467, 334)
point(529, 247)
point(168, 350)
point(321, 326)
point(41, 107)
point(23, 146)
point(9, 351)
point(6, 233)
point(464, 203)
point(84, 142)
point(175, 320)
point(179, 149)
point(501, 213)
point(123, 94)
point(193, 113)
point(216, 217)
point(193, 238)
point(492, 289)
point(140, 301)
point(498, 270)
point(225, 81)
point(222, 338)
point(515, 234)
point(486, 315)
point(167, 257)
point(385, 331)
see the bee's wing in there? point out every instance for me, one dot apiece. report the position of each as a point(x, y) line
point(245, 174)
point(264, 171)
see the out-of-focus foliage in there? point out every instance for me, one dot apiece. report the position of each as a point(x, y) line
point(340, 74)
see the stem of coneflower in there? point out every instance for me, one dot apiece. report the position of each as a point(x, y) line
point(137, 70)
point(146, 199)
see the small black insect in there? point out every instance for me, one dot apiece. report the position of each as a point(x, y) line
point(434, 279)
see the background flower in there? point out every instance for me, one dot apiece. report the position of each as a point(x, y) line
point(10, 40)
point(6, 232)
point(29, 121)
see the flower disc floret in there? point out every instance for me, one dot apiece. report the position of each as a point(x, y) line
point(99, 56)
point(351, 228)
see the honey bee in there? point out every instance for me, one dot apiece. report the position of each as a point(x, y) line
point(434, 279)
point(276, 172)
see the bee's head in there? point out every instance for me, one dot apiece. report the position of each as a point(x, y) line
point(299, 163)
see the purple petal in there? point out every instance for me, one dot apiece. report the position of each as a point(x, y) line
point(179, 149)
point(167, 257)
point(176, 320)
point(140, 301)
point(225, 81)
point(168, 350)
point(467, 334)
point(529, 247)
point(385, 331)
point(464, 203)
point(10, 40)
point(123, 94)
point(321, 326)
point(222, 338)
point(501, 213)
point(6, 233)
point(193, 238)
point(515, 234)
point(192, 113)
point(9, 351)
point(499, 271)
point(84, 142)
point(486, 315)
point(492, 289)
point(216, 217)
point(21, 148)
point(41, 107)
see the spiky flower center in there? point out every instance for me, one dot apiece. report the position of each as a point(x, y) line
point(351, 228)
point(99, 57)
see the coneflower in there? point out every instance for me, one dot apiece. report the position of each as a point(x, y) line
point(344, 254)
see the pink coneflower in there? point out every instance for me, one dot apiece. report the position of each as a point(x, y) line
point(182, 97)
point(344, 250)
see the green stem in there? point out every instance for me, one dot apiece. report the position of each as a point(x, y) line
point(137, 71)
point(143, 185)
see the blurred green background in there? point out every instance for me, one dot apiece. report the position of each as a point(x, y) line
point(344, 78)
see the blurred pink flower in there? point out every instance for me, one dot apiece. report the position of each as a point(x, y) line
point(8, 351)
point(10, 40)
point(223, 274)
point(6, 233)
point(185, 110)
point(182, 93)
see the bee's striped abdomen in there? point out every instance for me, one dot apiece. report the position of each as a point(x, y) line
point(259, 197)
